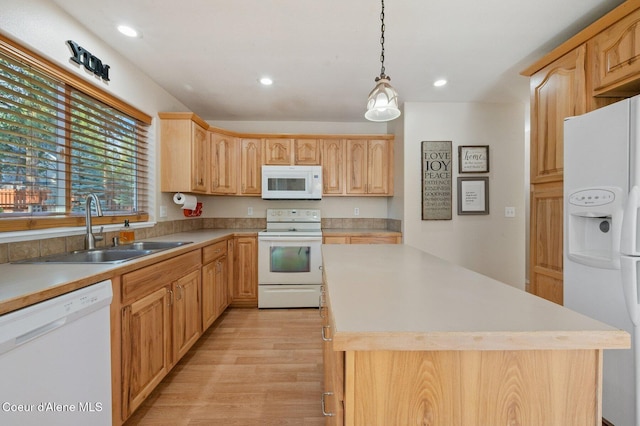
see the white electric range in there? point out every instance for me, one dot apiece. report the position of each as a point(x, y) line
point(289, 259)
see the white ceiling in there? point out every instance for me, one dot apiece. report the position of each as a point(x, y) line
point(324, 54)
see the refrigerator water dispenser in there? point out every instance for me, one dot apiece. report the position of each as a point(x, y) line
point(594, 224)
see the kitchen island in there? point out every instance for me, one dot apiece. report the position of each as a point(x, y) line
point(413, 339)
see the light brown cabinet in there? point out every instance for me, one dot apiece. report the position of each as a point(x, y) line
point(184, 153)
point(332, 399)
point(278, 152)
point(333, 166)
point(160, 321)
point(615, 58)
point(215, 295)
point(361, 238)
point(307, 152)
point(224, 170)
point(369, 167)
point(250, 166)
point(187, 320)
point(245, 272)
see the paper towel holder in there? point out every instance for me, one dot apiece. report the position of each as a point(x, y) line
point(195, 212)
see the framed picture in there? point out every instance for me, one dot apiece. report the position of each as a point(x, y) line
point(473, 195)
point(473, 159)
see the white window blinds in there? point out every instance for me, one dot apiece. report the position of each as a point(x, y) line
point(58, 144)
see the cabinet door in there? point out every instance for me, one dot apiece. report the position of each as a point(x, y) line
point(146, 339)
point(200, 159)
point(251, 166)
point(356, 166)
point(379, 159)
point(221, 291)
point(224, 164)
point(558, 91)
point(209, 314)
point(333, 166)
point(277, 152)
point(245, 276)
point(186, 313)
point(545, 275)
point(615, 54)
point(307, 152)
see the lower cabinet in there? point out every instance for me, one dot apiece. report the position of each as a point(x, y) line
point(332, 399)
point(361, 238)
point(215, 282)
point(160, 321)
point(245, 272)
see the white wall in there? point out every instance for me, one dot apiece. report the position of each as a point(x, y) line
point(490, 244)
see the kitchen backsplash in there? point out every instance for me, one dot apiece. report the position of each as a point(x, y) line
point(11, 252)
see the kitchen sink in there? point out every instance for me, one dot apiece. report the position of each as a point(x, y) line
point(152, 245)
point(116, 254)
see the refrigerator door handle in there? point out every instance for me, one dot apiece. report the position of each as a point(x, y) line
point(630, 223)
point(629, 273)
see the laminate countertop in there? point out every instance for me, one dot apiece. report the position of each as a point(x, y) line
point(396, 297)
point(22, 285)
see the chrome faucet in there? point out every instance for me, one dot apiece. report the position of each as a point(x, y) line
point(89, 238)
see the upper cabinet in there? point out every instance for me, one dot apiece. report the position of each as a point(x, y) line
point(184, 153)
point(369, 167)
point(278, 152)
point(333, 155)
point(224, 169)
point(306, 152)
point(251, 166)
point(558, 91)
point(615, 54)
point(204, 159)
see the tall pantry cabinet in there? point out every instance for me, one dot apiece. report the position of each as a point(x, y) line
point(589, 71)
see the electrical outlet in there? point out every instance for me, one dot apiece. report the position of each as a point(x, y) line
point(356, 211)
point(249, 211)
point(163, 211)
point(509, 212)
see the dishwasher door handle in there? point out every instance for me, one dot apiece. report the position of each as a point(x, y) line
point(37, 332)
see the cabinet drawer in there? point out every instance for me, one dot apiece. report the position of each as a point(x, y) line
point(377, 239)
point(214, 251)
point(139, 283)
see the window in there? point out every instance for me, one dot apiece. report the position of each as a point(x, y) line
point(58, 144)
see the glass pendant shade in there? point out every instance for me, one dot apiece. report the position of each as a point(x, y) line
point(382, 104)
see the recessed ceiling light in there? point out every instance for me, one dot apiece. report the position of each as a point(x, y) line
point(266, 81)
point(128, 31)
point(440, 83)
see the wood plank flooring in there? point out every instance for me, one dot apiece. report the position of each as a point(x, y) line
point(251, 367)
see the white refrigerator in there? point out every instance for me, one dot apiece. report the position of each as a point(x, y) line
point(601, 255)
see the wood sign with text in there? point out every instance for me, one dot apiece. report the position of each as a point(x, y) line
point(436, 180)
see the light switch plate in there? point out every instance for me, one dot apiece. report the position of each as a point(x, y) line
point(163, 211)
point(509, 212)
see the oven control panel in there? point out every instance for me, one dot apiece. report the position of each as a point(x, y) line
point(293, 215)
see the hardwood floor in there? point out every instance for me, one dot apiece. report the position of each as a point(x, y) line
point(251, 367)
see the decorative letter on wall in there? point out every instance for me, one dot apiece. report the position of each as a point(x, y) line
point(82, 56)
point(436, 180)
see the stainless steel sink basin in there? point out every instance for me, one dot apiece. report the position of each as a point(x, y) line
point(117, 254)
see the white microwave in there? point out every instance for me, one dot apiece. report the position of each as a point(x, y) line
point(292, 182)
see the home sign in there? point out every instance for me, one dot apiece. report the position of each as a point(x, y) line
point(82, 56)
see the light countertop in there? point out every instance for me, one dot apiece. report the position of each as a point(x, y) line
point(396, 297)
point(25, 284)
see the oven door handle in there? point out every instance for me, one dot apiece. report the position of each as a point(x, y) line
point(291, 239)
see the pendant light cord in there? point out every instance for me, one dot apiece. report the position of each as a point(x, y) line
point(382, 42)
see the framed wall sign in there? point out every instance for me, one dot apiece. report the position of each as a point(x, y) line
point(473, 159)
point(436, 180)
point(473, 195)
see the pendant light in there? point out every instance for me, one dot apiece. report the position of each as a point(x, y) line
point(382, 104)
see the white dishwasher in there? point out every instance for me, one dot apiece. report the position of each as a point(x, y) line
point(55, 361)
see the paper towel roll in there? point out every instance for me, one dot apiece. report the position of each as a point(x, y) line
point(185, 200)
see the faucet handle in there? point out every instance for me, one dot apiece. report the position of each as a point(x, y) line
point(101, 236)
